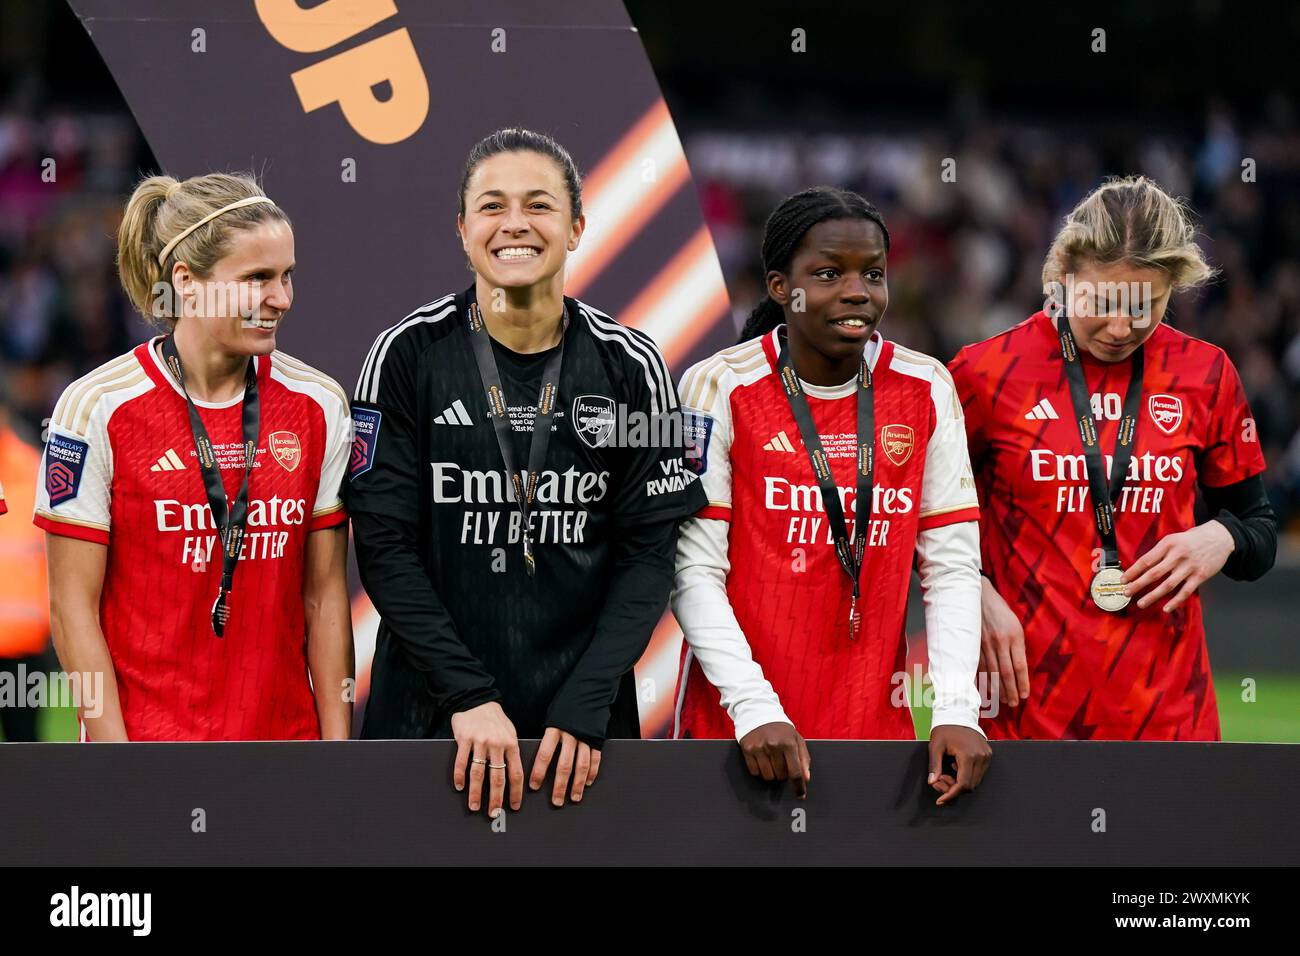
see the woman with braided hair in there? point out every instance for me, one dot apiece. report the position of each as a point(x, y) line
point(830, 456)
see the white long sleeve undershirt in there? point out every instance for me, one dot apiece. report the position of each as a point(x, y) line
point(948, 562)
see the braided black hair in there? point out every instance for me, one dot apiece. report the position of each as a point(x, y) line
point(786, 228)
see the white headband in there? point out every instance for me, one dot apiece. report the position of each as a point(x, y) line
point(162, 256)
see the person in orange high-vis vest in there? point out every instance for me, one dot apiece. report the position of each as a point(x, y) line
point(24, 596)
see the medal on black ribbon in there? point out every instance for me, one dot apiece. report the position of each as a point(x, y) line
point(849, 551)
point(230, 520)
point(525, 489)
point(1106, 587)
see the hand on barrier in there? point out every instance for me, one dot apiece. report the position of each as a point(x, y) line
point(969, 750)
point(576, 759)
point(775, 751)
point(487, 745)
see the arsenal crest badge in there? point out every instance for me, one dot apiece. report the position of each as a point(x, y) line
point(898, 442)
point(285, 449)
point(1166, 411)
point(593, 419)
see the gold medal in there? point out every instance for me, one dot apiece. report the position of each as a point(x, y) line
point(1108, 590)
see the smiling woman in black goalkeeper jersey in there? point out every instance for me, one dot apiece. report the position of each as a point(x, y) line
point(519, 571)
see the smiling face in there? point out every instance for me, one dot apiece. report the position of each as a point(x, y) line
point(840, 266)
point(1116, 307)
point(239, 306)
point(517, 228)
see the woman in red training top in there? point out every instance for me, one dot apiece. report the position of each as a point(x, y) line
point(1090, 432)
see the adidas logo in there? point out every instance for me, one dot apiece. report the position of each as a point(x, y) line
point(779, 442)
point(1043, 410)
point(168, 462)
point(455, 414)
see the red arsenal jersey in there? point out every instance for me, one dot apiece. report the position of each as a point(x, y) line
point(120, 468)
point(788, 591)
point(1138, 673)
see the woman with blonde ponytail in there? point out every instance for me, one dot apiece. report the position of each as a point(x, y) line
point(190, 491)
point(1091, 424)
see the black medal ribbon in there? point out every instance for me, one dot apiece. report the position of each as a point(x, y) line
point(850, 552)
point(1104, 495)
point(231, 520)
point(547, 402)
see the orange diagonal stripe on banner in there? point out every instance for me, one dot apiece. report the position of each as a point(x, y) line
point(659, 664)
point(365, 624)
point(619, 200)
point(681, 303)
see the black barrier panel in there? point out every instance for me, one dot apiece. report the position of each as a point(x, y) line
point(656, 802)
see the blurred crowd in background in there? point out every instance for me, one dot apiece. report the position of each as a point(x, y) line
point(63, 180)
point(966, 255)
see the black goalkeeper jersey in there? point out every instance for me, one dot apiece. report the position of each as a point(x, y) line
point(438, 533)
